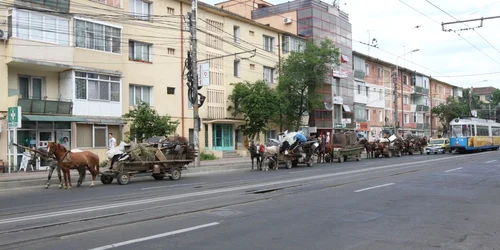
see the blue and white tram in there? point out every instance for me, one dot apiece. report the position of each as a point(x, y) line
point(474, 134)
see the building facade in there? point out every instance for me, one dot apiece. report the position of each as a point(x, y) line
point(314, 19)
point(76, 68)
point(439, 92)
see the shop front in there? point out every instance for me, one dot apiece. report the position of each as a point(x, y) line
point(38, 131)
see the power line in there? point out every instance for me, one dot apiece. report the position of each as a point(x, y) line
point(453, 32)
point(465, 25)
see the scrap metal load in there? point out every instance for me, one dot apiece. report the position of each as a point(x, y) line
point(344, 140)
point(173, 148)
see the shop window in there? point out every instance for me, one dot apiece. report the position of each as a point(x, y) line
point(84, 135)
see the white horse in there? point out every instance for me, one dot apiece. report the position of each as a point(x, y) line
point(271, 155)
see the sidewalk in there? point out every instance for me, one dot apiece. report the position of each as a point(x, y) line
point(39, 178)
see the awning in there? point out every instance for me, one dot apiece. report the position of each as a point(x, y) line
point(346, 108)
point(224, 121)
point(53, 118)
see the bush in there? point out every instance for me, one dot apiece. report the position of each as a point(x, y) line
point(207, 156)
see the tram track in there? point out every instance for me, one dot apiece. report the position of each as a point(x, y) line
point(263, 196)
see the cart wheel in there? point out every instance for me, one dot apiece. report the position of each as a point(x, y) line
point(341, 159)
point(123, 178)
point(158, 177)
point(106, 179)
point(328, 158)
point(288, 164)
point(389, 154)
point(310, 162)
point(175, 174)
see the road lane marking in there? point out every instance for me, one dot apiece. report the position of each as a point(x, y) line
point(303, 171)
point(491, 161)
point(370, 188)
point(215, 191)
point(128, 242)
point(178, 185)
point(451, 170)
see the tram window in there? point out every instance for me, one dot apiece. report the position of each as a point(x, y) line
point(457, 131)
point(495, 131)
point(483, 131)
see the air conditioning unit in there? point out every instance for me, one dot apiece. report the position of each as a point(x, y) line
point(287, 20)
point(4, 35)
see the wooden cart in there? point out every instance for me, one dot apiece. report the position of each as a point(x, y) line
point(123, 168)
point(344, 153)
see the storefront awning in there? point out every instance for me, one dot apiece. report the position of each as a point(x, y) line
point(53, 118)
point(346, 108)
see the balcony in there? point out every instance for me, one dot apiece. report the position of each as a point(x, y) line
point(359, 74)
point(421, 126)
point(33, 106)
point(419, 108)
point(417, 90)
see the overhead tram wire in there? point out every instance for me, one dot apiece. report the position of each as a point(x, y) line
point(453, 32)
point(465, 25)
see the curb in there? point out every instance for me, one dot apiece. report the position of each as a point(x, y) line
point(41, 181)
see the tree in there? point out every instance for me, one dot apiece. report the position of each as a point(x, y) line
point(495, 97)
point(257, 103)
point(147, 123)
point(300, 76)
point(450, 110)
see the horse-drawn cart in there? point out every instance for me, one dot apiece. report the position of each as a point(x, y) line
point(149, 160)
point(344, 153)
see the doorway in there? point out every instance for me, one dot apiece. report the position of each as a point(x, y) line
point(223, 137)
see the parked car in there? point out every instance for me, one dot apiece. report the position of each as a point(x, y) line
point(441, 145)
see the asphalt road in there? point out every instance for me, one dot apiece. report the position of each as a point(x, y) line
point(413, 202)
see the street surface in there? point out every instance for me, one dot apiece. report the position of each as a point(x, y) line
point(413, 202)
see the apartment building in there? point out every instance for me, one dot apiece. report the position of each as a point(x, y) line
point(76, 68)
point(484, 93)
point(313, 19)
point(417, 94)
point(439, 92)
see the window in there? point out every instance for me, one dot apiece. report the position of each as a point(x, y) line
point(367, 111)
point(268, 75)
point(170, 91)
point(271, 134)
point(359, 89)
point(100, 138)
point(236, 34)
point(84, 135)
point(140, 9)
point(96, 36)
point(380, 116)
point(59, 5)
point(405, 80)
point(236, 68)
point(171, 51)
point(406, 118)
point(268, 43)
point(91, 86)
point(41, 27)
point(170, 11)
point(367, 69)
point(367, 91)
point(138, 94)
point(114, 3)
point(30, 87)
point(379, 74)
point(252, 66)
point(414, 117)
point(94, 135)
point(482, 131)
point(138, 51)
point(251, 33)
point(405, 99)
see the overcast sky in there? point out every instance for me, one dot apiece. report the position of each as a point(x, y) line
point(393, 24)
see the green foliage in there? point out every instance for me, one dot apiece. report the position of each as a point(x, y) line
point(450, 110)
point(207, 156)
point(495, 97)
point(301, 74)
point(103, 164)
point(147, 123)
point(257, 103)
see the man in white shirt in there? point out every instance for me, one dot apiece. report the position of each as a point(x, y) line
point(112, 141)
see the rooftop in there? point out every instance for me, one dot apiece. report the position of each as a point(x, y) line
point(483, 90)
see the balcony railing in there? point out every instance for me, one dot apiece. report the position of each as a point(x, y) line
point(359, 74)
point(33, 106)
point(420, 91)
point(419, 108)
point(422, 126)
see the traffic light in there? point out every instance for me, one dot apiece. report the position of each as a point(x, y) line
point(202, 100)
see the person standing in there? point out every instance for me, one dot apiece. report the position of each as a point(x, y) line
point(112, 141)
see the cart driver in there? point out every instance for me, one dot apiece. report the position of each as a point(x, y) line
point(299, 139)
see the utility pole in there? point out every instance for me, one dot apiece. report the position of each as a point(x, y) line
point(396, 117)
point(194, 83)
point(470, 102)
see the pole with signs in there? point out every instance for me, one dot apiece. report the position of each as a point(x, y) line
point(13, 123)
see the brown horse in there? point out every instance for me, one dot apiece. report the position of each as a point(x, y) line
point(68, 160)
